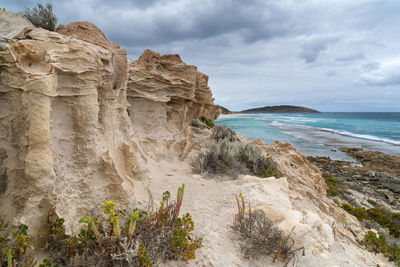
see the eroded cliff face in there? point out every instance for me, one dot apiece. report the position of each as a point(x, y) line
point(165, 95)
point(74, 118)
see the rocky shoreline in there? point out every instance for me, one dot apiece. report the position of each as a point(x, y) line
point(375, 178)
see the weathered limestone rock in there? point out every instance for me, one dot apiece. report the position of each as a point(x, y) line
point(12, 25)
point(66, 138)
point(165, 95)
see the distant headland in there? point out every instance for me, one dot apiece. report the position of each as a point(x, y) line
point(273, 109)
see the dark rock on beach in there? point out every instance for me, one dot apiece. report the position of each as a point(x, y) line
point(374, 178)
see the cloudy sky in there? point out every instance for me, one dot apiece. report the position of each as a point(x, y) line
point(331, 55)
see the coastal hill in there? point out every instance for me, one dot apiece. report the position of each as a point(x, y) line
point(280, 109)
point(224, 110)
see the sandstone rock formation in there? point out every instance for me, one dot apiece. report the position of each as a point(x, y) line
point(165, 95)
point(12, 25)
point(72, 131)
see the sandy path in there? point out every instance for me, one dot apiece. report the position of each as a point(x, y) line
point(212, 205)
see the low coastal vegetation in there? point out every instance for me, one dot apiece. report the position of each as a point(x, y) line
point(203, 122)
point(335, 187)
point(259, 236)
point(226, 154)
point(381, 216)
point(207, 122)
point(378, 244)
point(114, 238)
point(385, 222)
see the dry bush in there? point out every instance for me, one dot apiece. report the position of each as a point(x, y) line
point(259, 236)
point(221, 132)
point(226, 154)
point(257, 163)
point(41, 16)
point(221, 157)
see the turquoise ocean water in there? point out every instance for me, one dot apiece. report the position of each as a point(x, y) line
point(322, 134)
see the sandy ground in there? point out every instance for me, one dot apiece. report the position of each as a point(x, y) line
point(212, 205)
point(221, 116)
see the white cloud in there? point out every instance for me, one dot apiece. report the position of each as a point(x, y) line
point(383, 74)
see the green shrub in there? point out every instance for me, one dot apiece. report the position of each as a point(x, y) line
point(334, 185)
point(41, 16)
point(121, 237)
point(221, 157)
point(256, 162)
point(347, 207)
point(202, 123)
point(374, 243)
point(226, 154)
point(336, 202)
point(378, 215)
point(15, 248)
point(207, 122)
point(378, 244)
point(360, 213)
point(386, 219)
point(221, 132)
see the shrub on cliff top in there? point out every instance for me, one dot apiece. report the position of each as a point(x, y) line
point(41, 16)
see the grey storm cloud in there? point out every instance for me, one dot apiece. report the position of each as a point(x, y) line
point(262, 52)
point(169, 21)
point(312, 48)
point(351, 57)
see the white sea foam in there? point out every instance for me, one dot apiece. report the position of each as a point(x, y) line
point(290, 126)
point(363, 136)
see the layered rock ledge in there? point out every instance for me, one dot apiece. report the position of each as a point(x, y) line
point(77, 117)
